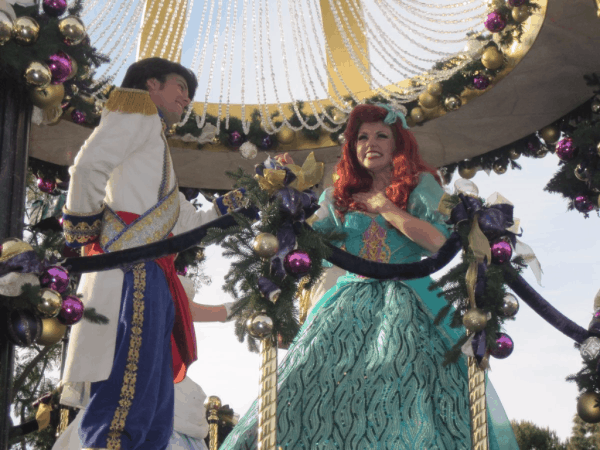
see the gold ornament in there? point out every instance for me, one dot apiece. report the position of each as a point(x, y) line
point(475, 320)
point(26, 31)
point(467, 172)
point(215, 141)
point(341, 139)
point(73, 29)
point(417, 114)
point(541, 152)
point(434, 89)
point(514, 154)
point(426, 100)
point(339, 116)
point(52, 332)
point(213, 402)
point(74, 69)
point(259, 325)
point(491, 58)
point(588, 407)
point(49, 96)
point(452, 102)
point(38, 74)
point(520, 13)
point(550, 135)
point(50, 303)
point(499, 167)
point(52, 115)
point(580, 173)
point(286, 135)
point(7, 28)
point(265, 245)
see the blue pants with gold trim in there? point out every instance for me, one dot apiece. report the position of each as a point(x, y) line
point(133, 408)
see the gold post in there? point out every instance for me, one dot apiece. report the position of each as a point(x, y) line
point(267, 403)
point(342, 59)
point(63, 423)
point(479, 426)
point(213, 405)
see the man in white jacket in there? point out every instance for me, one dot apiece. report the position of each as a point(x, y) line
point(123, 193)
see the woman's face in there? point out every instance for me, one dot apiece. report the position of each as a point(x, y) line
point(375, 147)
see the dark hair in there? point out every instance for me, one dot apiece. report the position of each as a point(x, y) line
point(353, 178)
point(140, 72)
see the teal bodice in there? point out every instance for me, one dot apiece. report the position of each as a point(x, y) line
point(365, 371)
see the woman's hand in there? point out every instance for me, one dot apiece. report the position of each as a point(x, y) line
point(376, 202)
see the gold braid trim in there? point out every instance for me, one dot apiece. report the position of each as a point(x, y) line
point(129, 377)
point(267, 402)
point(304, 296)
point(479, 426)
point(131, 101)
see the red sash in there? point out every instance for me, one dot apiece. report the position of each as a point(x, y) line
point(183, 338)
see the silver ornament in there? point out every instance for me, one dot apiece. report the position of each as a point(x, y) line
point(248, 150)
point(510, 305)
point(466, 187)
point(590, 349)
point(259, 325)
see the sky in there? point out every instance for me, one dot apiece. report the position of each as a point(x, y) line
point(531, 382)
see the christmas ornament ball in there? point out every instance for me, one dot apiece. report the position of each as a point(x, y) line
point(23, 327)
point(259, 325)
point(26, 30)
point(77, 116)
point(466, 187)
point(54, 8)
point(475, 320)
point(248, 150)
point(236, 139)
point(72, 310)
point(510, 305)
point(501, 251)
point(297, 262)
point(52, 332)
point(520, 13)
point(550, 134)
point(7, 28)
point(583, 204)
point(580, 173)
point(213, 402)
point(46, 97)
point(46, 185)
point(495, 22)
point(434, 89)
point(265, 245)
point(38, 74)
point(417, 114)
point(452, 102)
point(588, 407)
point(467, 171)
point(565, 149)
point(541, 152)
point(50, 303)
point(286, 135)
point(499, 167)
point(55, 278)
point(341, 139)
point(266, 143)
point(590, 348)
point(61, 67)
point(481, 82)
point(339, 116)
point(491, 58)
point(504, 348)
point(426, 100)
point(73, 30)
point(514, 154)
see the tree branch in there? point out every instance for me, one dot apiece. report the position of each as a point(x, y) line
point(34, 362)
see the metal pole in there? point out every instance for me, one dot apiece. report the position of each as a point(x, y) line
point(15, 122)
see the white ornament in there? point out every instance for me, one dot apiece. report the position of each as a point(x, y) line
point(590, 349)
point(248, 150)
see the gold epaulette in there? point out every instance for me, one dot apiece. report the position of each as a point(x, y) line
point(131, 101)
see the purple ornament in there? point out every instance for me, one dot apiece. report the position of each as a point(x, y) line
point(56, 278)
point(61, 67)
point(78, 116)
point(583, 204)
point(54, 8)
point(481, 82)
point(183, 272)
point(505, 346)
point(565, 149)
point(297, 262)
point(514, 3)
point(501, 251)
point(46, 186)
point(71, 311)
point(533, 145)
point(23, 327)
point(236, 139)
point(495, 22)
point(266, 143)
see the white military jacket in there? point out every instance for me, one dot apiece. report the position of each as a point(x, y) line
point(125, 165)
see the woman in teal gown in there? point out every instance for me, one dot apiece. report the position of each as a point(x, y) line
point(365, 371)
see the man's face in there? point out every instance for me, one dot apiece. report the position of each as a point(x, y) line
point(170, 97)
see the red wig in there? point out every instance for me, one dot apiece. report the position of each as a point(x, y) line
point(353, 178)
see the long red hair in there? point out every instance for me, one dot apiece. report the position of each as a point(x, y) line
point(353, 178)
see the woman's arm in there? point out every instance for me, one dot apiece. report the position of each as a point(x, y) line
point(417, 230)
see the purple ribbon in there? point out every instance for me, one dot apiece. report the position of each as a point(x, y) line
point(479, 346)
point(26, 262)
